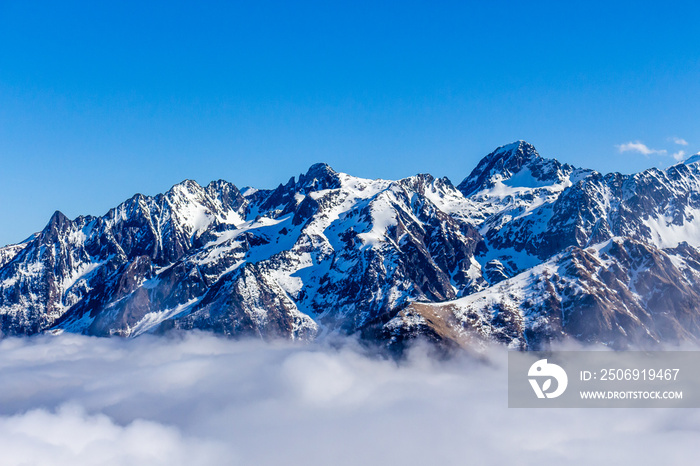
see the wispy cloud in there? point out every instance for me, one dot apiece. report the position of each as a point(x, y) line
point(639, 147)
point(679, 141)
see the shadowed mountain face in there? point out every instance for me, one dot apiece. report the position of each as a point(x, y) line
point(525, 250)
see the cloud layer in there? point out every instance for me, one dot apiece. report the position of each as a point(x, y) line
point(203, 400)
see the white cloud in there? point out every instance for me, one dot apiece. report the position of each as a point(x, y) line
point(69, 436)
point(680, 155)
point(679, 141)
point(203, 400)
point(638, 147)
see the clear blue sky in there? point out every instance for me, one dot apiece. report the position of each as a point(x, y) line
point(98, 102)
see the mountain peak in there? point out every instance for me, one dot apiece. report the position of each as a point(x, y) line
point(505, 161)
point(692, 159)
point(319, 176)
point(516, 146)
point(185, 186)
point(512, 156)
point(58, 224)
point(58, 217)
point(319, 170)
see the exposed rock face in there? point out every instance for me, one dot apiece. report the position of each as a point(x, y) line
point(524, 251)
point(602, 258)
point(327, 248)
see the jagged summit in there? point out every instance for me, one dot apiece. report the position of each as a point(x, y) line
point(320, 168)
point(515, 153)
point(58, 224)
point(57, 219)
point(319, 176)
point(185, 184)
point(518, 147)
point(503, 162)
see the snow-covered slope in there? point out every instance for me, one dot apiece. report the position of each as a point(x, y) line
point(327, 248)
point(523, 251)
point(621, 292)
point(529, 208)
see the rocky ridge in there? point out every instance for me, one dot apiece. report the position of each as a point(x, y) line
point(524, 251)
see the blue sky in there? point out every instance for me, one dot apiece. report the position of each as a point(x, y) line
point(98, 102)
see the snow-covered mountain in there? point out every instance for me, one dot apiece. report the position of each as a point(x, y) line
point(524, 250)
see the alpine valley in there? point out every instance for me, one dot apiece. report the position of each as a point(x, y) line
point(524, 251)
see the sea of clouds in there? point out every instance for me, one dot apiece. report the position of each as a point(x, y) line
point(199, 399)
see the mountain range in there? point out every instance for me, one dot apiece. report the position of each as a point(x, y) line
point(523, 251)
